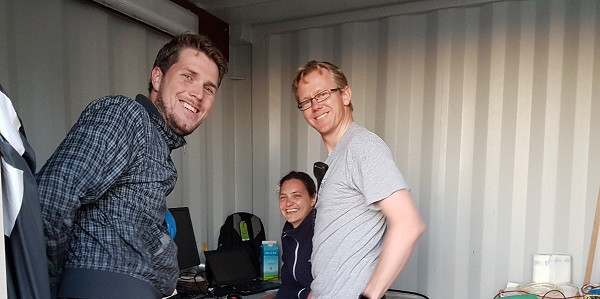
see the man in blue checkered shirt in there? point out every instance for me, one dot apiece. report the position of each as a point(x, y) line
point(103, 192)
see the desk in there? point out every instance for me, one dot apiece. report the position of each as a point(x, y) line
point(388, 295)
point(254, 296)
point(260, 295)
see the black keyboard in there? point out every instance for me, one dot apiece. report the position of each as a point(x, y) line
point(246, 288)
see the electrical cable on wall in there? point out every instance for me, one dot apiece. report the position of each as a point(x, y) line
point(546, 291)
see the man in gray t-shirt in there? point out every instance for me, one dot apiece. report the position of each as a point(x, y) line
point(367, 224)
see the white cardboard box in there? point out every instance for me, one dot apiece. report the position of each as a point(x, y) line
point(552, 268)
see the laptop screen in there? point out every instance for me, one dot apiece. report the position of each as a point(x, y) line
point(187, 249)
point(230, 266)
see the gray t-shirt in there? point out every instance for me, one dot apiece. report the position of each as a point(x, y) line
point(349, 228)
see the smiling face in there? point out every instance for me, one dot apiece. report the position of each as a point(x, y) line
point(294, 201)
point(331, 117)
point(185, 93)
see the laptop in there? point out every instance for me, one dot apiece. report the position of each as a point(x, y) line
point(230, 271)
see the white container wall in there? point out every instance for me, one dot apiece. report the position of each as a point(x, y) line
point(490, 109)
point(491, 113)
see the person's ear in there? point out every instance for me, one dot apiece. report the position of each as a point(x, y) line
point(156, 77)
point(347, 95)
point(313, 201)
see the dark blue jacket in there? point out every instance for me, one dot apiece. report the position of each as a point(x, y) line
point(296, 244)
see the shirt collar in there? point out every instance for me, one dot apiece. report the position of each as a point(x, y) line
point(171, 138)
point(307, 223)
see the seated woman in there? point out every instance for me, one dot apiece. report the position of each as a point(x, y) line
point(297, 198)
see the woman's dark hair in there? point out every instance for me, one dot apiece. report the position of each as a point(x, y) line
point(308, 182)
point(169, 54)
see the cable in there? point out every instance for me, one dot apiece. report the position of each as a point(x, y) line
point(409, 293)
point(537, 288)
point(554, 291)
point(543, 290)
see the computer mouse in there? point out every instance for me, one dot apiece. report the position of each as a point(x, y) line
point(234, 296)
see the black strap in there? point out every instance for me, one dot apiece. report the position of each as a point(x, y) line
point(319, 170)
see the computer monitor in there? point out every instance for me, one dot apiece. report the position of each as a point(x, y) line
point(187, 249)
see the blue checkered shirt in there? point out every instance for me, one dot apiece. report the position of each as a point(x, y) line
point(103, 193)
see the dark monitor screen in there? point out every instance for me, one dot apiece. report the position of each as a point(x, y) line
point(230, 266)
point(187, 249)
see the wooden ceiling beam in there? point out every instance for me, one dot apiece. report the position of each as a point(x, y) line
point(213, 27)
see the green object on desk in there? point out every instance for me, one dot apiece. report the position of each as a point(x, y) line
point(526, 296)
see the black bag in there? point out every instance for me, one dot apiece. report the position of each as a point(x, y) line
point(246, 230)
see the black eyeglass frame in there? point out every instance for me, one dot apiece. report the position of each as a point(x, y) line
point(309, 101)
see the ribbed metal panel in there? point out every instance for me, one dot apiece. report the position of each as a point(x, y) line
point(489, 111)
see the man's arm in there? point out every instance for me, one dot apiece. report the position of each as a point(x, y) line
point(404, 227)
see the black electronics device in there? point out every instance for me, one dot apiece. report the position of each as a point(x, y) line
point(187, 249)
point(319, 170)
point(231, 272)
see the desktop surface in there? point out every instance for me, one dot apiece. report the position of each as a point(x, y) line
point(205, 296)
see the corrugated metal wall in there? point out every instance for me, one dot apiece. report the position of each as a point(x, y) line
point(491, 112)
point(58, 56)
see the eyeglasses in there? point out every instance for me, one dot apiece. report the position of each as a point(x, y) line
point(319, 97)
